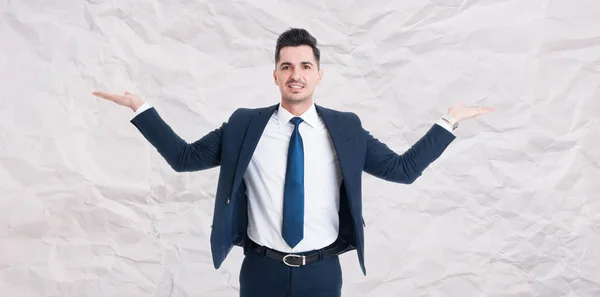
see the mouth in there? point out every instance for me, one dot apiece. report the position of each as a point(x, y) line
point(295, 87)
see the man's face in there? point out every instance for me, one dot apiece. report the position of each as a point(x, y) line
point(297, 73)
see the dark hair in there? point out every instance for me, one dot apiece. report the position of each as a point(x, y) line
point(297, 37)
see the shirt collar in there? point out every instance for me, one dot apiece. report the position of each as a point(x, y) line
point(310, 116)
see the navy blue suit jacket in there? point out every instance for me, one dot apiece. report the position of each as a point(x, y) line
point(232, 145)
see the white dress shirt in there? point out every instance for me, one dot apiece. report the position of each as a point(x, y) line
point(265, 179)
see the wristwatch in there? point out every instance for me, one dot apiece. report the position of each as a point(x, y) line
point(450, 121)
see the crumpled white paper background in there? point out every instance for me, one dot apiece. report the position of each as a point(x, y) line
point(511, 209)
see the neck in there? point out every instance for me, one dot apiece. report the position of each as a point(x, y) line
point(296, 108)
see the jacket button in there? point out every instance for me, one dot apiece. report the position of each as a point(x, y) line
point(228, 200)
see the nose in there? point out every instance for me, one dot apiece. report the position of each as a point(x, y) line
point(296, 74)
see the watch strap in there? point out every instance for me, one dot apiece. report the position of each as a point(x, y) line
point(450, 121)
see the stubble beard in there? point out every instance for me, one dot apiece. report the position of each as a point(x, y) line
point(292, 100)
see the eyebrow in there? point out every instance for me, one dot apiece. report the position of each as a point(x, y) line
point(290, 64)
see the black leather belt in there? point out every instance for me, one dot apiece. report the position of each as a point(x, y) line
point(301, 259)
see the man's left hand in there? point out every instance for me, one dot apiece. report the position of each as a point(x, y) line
point(460, 112)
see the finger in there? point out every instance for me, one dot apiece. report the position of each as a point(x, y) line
point(105, 95)
point(477, 111)
point(101, 94)
point(485, 109)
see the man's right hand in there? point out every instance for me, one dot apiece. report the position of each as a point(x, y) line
point(128, 100)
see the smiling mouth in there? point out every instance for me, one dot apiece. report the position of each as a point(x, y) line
point(295, 86)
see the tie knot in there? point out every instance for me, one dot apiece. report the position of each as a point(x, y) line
point(296, 121)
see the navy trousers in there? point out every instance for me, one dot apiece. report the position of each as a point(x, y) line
point(261, 276)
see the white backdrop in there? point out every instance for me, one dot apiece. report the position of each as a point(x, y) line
point(511, 209)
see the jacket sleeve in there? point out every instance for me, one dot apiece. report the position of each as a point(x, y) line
point(202, 154)
point(382, 162)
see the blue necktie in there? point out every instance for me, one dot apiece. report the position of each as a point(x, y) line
point(293, 196)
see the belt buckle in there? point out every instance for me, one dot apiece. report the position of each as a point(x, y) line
point(295, 256)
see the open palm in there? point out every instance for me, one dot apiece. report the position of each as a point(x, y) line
point(127, 99)
point(460, 112)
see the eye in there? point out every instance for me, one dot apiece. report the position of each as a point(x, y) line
point(306, 67)
point(285, 67)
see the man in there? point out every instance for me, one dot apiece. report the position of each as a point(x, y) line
point(289, 189)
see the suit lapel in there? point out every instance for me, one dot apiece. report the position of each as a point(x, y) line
point(337, 134)
point(257, 125)
point(255, 129)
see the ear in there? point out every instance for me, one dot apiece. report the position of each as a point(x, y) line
point(320, 75)
point(275, 77)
